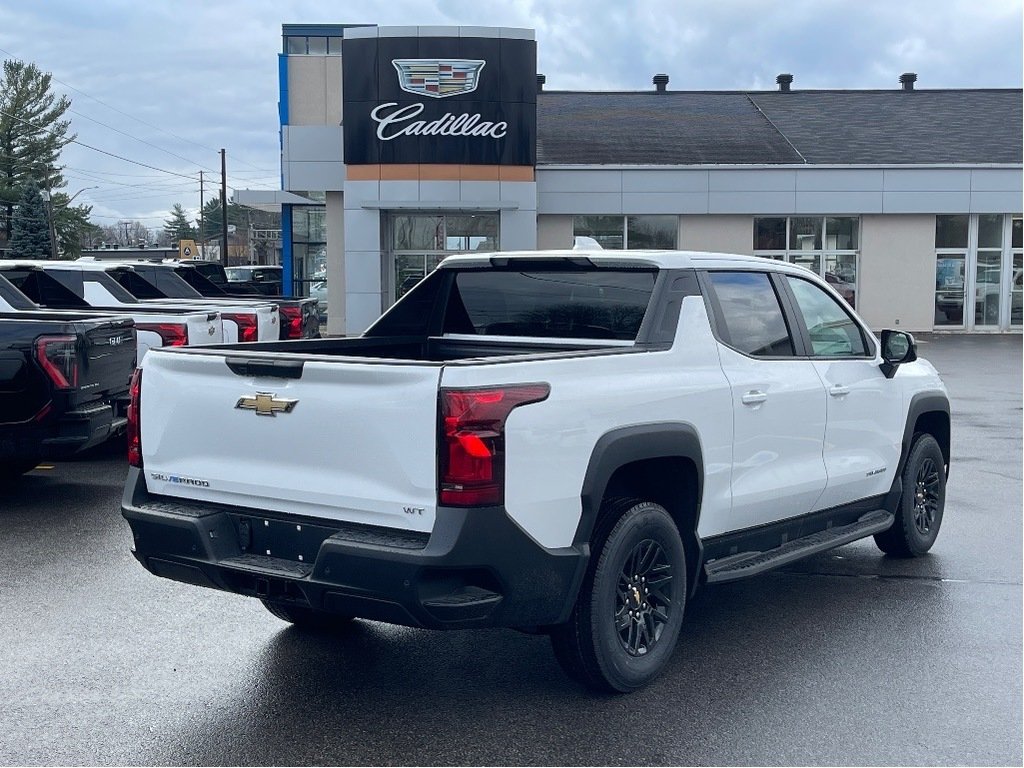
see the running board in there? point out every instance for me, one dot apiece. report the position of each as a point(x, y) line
point(743, 564)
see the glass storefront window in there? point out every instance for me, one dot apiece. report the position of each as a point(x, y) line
point(841, 233)
point(951, 231)
point(417, 232)
point(805, 233)
point(988, 278)
point(949, 289)
point(471, 233)
point(609, 231)
point(419, 242)
point(652, 232)
point(309, 254)
point(825, 245)
point(770, 234)
point(990, 231)
point(641, 232)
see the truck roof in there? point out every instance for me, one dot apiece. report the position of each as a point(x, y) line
point(660, 259)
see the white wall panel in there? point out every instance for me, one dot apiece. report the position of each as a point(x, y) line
point(927, 201)
point(897, 272)
point(554, 232)
point(579, 181)
point(303, 177)
point(517, 230)
point(850, 202)
point(362, 231)
point(664, 202)
point(766, 202)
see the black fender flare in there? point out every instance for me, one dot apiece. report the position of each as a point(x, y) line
point(920, 404)
point(627, 445)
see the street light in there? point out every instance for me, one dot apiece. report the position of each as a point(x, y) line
point(49, 215)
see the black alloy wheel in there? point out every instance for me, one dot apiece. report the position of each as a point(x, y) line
point(629, 611)
point(918, 515)
point(643, 602)
point(926, 496)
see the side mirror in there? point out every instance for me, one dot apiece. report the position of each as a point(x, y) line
point(897, 347)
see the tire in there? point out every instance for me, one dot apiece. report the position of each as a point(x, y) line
point(620, 635)
point(919, 512)
point(306, 618)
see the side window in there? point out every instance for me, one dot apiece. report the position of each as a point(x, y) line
point(751, 313)
point(833, 332)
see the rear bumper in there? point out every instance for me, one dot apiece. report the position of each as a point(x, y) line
point(65, 435)
point(476, 569)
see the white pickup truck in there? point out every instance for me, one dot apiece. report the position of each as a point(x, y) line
point(28, 288)
point(568, 443)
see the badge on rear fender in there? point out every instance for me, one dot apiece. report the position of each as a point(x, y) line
point(266, 404)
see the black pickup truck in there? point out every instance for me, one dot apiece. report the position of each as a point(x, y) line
point(300, 318)
point(64, 380)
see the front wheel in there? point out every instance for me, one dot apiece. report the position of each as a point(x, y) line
point(628, 615)
point(919, 513)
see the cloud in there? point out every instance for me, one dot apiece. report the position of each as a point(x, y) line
point(204, 75)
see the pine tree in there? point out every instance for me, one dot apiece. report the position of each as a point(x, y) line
point(178, 227)
point(32, 135)
point(30, 233)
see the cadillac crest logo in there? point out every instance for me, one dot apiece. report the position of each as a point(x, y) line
point(438, 78)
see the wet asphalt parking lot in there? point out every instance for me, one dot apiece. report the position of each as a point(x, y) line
point(848, 658)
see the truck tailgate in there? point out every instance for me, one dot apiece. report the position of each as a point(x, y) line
point(347, 441)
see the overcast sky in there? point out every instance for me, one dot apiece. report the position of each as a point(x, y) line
point(168, 84)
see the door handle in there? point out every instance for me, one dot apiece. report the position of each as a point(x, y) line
point(754, 397)
point(838, 390)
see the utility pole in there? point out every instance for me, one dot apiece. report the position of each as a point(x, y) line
point(49, 216)
point(202, 229)
point(223, 209)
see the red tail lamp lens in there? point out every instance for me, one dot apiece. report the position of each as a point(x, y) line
point(291, 324)
point(472, 441)
point(246, 322)
point(171, 334)
point(58, 357)
point(134, 408)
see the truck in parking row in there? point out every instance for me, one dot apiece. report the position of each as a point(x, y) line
point(567, 443)
point(63, 384)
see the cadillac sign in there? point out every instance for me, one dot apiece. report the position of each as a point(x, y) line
point(438, 78)
point(454, 100)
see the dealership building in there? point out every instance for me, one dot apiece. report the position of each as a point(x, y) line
point(401, 145)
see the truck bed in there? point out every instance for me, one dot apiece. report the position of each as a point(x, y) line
point(442, 349)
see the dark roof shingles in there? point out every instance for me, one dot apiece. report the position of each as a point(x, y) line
point(825, 127)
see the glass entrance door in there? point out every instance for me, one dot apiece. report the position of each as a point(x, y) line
point(419, 241)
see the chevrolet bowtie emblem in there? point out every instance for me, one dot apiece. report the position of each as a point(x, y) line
point(265, 404)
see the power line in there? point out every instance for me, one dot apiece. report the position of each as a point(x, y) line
point(133, 117)
point(143, 141)
point(97, 149)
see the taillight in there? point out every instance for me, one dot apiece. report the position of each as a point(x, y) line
point(246, 322)
point(134, 406)
point(171, 334)
point(291, 325)
point(472, 441)
point(58, 357)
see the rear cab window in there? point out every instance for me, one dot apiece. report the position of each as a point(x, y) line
point(748, 314)
point(575, 304)
point(598, 303)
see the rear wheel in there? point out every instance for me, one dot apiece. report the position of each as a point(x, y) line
point(306, 618)
point(628, 615)
point(919, 513)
